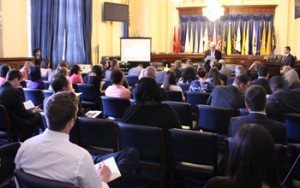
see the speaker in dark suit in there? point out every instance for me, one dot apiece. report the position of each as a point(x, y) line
point(288, 59)
point(211, 52)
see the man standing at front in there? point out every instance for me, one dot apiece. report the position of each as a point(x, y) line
point(288, 59)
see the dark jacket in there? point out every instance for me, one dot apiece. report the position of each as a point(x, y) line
point(276, 129)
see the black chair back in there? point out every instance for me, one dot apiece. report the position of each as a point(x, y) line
point(230, 81)
point(193, 153)
point(106, 84)
point(173, 95)
point(35, 95)
point(26, 180)
point(149, 141)
point(47, 84)
point(48, 93)
point(114, 107)
point(7, 165)
point(243, 111)
point(196, 98)
point(184, 87)
point(214, 119)
point(89, 97)
point(132, 80)
point(183, 111)
point(5, 125)
point(292, 122)
point(98, 136)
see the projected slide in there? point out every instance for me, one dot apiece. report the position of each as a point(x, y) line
point(136, 49)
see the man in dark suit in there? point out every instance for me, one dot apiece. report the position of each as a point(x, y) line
point(282, 100)
point(208, 54)
point(177, 70)
point(255, 103)
point(230, 96)
point(263, 76)
point(23, 121)
point(288, 59)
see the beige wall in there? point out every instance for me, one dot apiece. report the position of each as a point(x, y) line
point(150, 18)
point(14, 36)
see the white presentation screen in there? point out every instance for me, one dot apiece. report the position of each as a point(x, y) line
point(136, 49)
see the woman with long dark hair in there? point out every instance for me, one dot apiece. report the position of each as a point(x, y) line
point(170, 83)
point(252, 161)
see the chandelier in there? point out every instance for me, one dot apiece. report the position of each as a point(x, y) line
point(213, 11)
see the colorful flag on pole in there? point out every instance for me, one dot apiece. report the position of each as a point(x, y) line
point(215, 33)
point(258, 38)
point(205, 39)
point(174, 40)
point(187, 40)
point(247, 40)
point(224, 39)
point(196, 46)
point(238, 39)
point(219, 43)
point(178, 47)
point(269, 41)
point(234, 37)
point(229, 40)
point(244, 40)
point(273, 40)
point(201, 48)
point(254, 39)
point(263, 41)
point(191, 47)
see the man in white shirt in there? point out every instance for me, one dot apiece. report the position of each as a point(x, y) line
point(50, 155)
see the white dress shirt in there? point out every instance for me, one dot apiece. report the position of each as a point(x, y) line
point(51, 155)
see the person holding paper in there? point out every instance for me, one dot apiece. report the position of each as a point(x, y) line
point(210, 56)
point(51, 155)
point(23, 121)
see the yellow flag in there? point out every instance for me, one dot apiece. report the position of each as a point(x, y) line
point(223, 40)
point(244, 40)
point(263, 41)
point(269, 41)
point(229, 40)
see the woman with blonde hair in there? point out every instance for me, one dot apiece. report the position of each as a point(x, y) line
point(292, 78)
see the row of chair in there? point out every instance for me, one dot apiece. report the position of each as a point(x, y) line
point(100, 136)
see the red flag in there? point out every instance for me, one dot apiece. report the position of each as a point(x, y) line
point(178, 41)
point(174, 40)
point(219, 43)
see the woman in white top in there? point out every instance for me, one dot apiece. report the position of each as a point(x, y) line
point(170, 83)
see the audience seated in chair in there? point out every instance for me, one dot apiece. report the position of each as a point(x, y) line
point(74, 75)
point(252, 71)
point(61, 83)
point(50, 155)
point(25, 70)
point(45, 68)
point(62, 64)
point(3, 72)
point(187, 76)
point(35, 77)
point(149, 72)
point(117, 89)
point(230, 96)
point(169, 83)
point(95, 78)
point(282, 100)
point(251, 161)
point(178, 69)
point(255, 103)
point(201, 85)
point(292, 79)
point(263, 79)
point(148, 109)
point(23, 121)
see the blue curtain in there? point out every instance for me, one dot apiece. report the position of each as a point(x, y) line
point(62, 28)
point(188, 22)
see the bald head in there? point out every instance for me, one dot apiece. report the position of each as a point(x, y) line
point(150, 72)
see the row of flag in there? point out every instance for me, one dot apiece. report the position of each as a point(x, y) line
point(240, 38)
